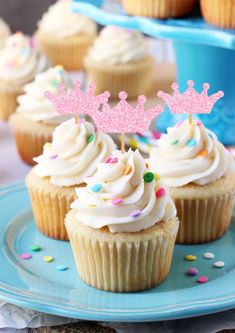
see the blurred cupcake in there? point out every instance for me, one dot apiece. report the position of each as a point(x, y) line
point(122, 227)
point(65, 36)
point(4, 32)
point(20, 61)
point(74, 153)
point(219, 13)
point(199, 171)
point(36, 118)
point(159, 8)
point(120, 60)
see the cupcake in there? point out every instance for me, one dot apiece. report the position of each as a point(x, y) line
point(122, 226)
point(65, 36)
point(219, 13)
point(20, 61)
point(159, 8)
point(4, 33)
point(74, 153)
point(120, 60)
point(36, 118)
point(199, 171)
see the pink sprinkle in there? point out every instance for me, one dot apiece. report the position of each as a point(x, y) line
point(80, 121)
point(202, 279)
point(135, 213)
point(117, 201)
point(108, 160)
point(114, 160)
point(25, 256)
point(160, 192)
point(156, 135)
point(53, 157)
point(179, 123)
point(198, 122)
point(32, 43)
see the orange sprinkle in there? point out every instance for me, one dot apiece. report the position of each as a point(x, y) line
point(147, 165)
point(203, 153)
point(127, 170)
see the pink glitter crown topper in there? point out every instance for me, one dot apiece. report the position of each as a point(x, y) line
point(122, 118)
point(190, 101)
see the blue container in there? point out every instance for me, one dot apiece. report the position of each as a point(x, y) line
point(215, 65)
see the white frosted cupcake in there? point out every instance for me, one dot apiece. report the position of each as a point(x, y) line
point(123, 225)
point(120, 60)
point(199, 171)
point(65, 36)
point(74, 153)
point(36, 118)
point(20, 61)
point(4, 32)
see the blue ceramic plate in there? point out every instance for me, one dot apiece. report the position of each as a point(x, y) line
point(198, 31)
point(37, 285)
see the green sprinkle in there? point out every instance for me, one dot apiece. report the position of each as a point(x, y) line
point(35, 248)
point(148, 177)
point(174, 142)
point(54, 83)
point(90, 138)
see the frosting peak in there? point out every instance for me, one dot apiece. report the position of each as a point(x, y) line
point(116, 45)
point(33, 103)
point(74, 153)
point(190, 153)
point(123, 195)
point(60, 22)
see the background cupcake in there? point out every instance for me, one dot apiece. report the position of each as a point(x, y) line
point(36, 117)
point(122, 227)
point(65, 36)
point(219, 13)
point(120, 60)
point(74, 153)
point(20, 61)
point(199, 171)
point(4, 32)
point(159, 8)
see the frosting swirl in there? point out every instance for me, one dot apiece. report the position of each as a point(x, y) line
point(60, 22)
point(34, 105)
point(116, 45)
point(74, 153)
point(20, 60)
point(118, 196)
point(4, 32)
point(190, 153)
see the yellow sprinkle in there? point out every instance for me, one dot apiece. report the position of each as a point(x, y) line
point(48, 258)
point(190, 257)
point(203, 153)
point(48, 145)
point(133, 143)
point(127, 170)
point(150, 147)
point(156, 176)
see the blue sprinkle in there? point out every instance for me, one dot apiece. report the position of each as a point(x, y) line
point(191, 143)
point(61, 268)
point(96, 188)
point(143, 139)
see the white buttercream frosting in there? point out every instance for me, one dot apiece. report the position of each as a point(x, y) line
point(190, 153)
point(60, 22)
point(74, 153)
point(4, 32)
point(20, 60)
point(34, 105)
point(139, 207)
point(116, 45)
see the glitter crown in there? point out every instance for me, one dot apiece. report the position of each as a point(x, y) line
point(122, 118)
point(76, 101)
point(190, 101)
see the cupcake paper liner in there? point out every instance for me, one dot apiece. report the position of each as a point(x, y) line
point(30, 136)
point(50, 205)
point(159, 8)
point(134, 78)
point(219, 13)
point(122, 262)
point(8, 100)
point(68, 52)
point(206, 216)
